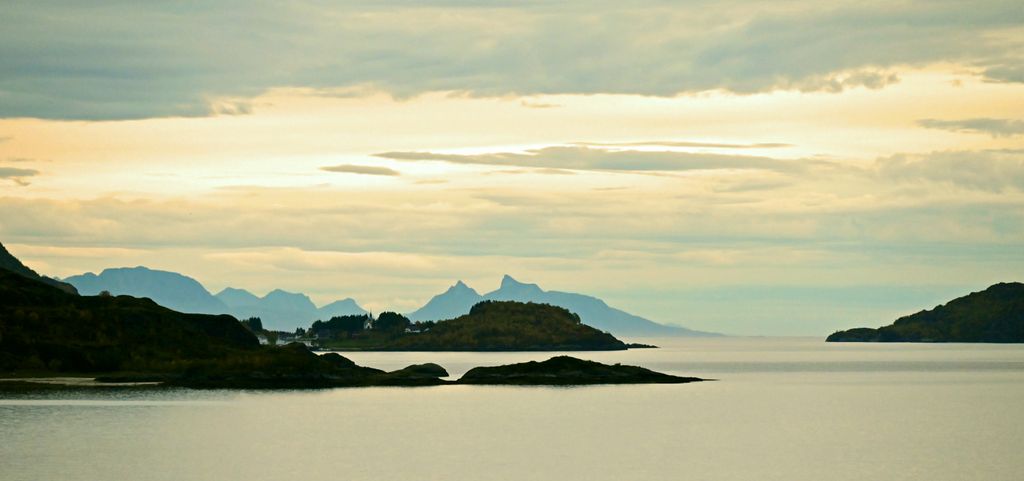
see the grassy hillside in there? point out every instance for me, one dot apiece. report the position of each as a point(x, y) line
point(993, 315)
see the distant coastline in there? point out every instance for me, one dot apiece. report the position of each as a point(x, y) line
point(48, 333)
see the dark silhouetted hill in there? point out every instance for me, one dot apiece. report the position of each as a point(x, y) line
point(46, 331)
point(44, 328)
point(12, 264)
point(993, 315)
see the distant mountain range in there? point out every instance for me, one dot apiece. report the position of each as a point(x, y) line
point(282, 310)
point(285, 311)
point(169, 289)
point(279, 310)
point(459, 298)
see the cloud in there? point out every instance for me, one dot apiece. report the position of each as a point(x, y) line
point(681, 143)
point(17, 175)
point(117, 60)
point(753, 185)
point(538, 105)
point(360, 169)
point(585, 158)
point(534, 171)
point(231, 108)
point(993, 127)
point(985, 170)
point(8, 172)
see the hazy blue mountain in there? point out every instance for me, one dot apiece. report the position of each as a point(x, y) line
point(458, 299)
point(281, 310)
point(169, 289)
point(11, 263)
point(344, 307)
point(288, 301)
point(235, 298)
point(454, 302)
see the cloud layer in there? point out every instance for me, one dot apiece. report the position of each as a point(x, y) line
point(121, 60)
point(360, 169)
point(586, 158)
point(990, 170)
point(993, 127)
point(17, 174)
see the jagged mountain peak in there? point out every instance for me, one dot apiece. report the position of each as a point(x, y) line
point(234, 290)
point(234, 298)
point(282, 292)
point(509, 281)
point(510, 286)
point(461, 287)
point(459, 298)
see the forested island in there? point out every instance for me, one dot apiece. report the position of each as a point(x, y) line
point(489, 326)
point(48, 331)
point(993, 315)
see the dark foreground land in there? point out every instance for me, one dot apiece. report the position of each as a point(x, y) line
point(46, 331)
point(993, 315)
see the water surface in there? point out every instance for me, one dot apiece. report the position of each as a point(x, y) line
point(783, 409)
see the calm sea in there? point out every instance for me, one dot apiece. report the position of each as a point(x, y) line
point(782, 409)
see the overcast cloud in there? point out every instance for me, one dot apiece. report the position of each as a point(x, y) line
point(122, 60)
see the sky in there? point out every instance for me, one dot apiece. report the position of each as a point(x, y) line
point(753, 168)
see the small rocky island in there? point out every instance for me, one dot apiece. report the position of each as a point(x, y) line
point(557, 371)
point(565, 370)
point(993, 315)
